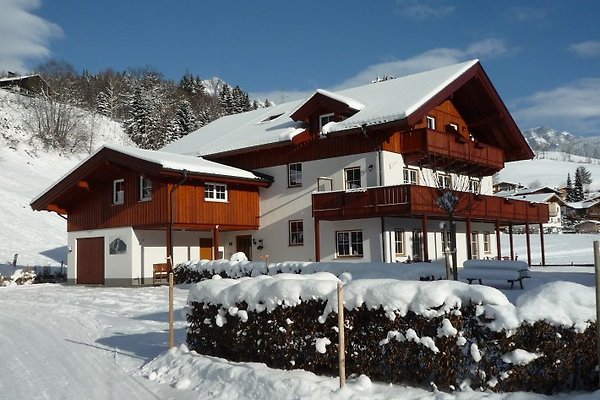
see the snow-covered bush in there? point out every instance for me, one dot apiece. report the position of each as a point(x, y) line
point(447, 333)
point(19, 277)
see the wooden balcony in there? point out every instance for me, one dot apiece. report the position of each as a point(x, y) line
point(414, 201)
point(451, 152)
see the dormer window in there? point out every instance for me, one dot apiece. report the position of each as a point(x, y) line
point(430, 122)
point(324, 119)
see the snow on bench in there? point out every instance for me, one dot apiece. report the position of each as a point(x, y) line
point(495, 270)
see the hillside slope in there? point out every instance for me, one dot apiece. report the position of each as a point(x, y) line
point(39, 238)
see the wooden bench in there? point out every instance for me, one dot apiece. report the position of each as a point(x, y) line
point(495, 270)
point(160, 273)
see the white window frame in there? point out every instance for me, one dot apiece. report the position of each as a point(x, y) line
point(212, 192)
point(453, 126)
point(294, 175)
point(118, 196)
point(145, 188)
point(474, 185)
point(324, 119)
point(430, 122)
point(399, 242)
point(296, 232)
point(353, 240)
point(474, 245)
point(417, 245)
point(351, 183)
point(444, 180)
point(487, 248)
point(407, 175)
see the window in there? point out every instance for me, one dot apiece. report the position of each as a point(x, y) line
point(444, 181)
point(486, 242)
point(430, 122)
point(399, 241)
point(118, 191)
point(474, 245)
point(411, 176)
point(325, 119)
point(145, 188)
point(352, 177)
point(296, 233)
point(294, 174)
point(349, 244)
point(417, 245)
point(215, 192)
point(474, 185)
point(446, 240)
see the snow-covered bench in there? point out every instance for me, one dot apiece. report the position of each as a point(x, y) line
point(495, 270)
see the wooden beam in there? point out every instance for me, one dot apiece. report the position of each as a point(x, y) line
point(498, 244)
point(425, 241)
point(317, 241)
point(83, 185)
point(469, 249)
point(215, 235)
point(528, 240)
point(542, 244)
point(56, 208)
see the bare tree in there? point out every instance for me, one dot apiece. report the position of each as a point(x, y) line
point(55, 124)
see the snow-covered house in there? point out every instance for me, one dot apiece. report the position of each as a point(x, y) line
point(353, 175)
point(26, 84)
point(556, 205)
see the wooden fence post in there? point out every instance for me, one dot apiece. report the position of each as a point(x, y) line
point(341, 344)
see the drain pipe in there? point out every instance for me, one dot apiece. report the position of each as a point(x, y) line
point(172, 192)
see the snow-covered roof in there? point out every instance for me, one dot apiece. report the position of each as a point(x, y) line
point(378, 103)
point(536, 198)
point(180, 162)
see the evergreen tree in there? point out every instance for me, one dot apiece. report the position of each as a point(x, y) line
point(570, 192)
point(226, 100)
point(578, 193)
point(267, 103)
point(184, 121)
point(586, 175)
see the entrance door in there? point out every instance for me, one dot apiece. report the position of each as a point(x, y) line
point(206, 249)
point(243, 243)
point(90, 261)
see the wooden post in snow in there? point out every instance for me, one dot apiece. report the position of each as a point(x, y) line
point(341, 344)
point(171, 329)
point(597, 269)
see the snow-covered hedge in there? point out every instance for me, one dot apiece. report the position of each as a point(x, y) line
point(445, 333)
point(197, 271)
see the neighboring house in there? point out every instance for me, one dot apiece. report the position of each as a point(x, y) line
point(588, 226)
point(586, 209)
point(354, 175)
point(503, 186)
point(26, 84)
point(545, 194)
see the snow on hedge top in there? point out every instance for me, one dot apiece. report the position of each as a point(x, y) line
point(558, 303)
point(377, 103)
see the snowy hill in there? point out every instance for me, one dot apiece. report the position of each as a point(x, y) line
point(549, 169)
point(39, 238)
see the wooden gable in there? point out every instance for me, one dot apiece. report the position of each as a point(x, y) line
point(85, 195)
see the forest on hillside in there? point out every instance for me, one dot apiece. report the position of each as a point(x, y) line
point(153, 110)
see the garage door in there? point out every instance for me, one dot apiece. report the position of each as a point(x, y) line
point(90, 261)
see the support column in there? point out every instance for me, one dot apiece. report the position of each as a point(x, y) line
point(317, 240)
point(469, 249)
point(528, 239)
point(169, 247)
point(498, 244)
point(215, 237)
point(425, 241)
point(542, 245)
point(510, 235)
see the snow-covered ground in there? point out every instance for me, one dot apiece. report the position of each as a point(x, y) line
point(67, 342)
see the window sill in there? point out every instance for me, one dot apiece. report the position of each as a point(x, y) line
point(216, 201)
point(351, 256)
point(296, 244)
point(144, 200)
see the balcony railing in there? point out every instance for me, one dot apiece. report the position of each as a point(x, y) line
point(450, 151)
point(413, 200)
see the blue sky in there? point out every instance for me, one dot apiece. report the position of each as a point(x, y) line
point(542, 56)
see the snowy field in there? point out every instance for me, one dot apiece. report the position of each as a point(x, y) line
point(66, 342)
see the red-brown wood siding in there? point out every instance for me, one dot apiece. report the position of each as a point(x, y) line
point(90, 261)
point(96, 211)
point(241, 208)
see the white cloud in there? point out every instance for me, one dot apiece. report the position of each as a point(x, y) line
point(574, 107)
point(430, 59)
point(24, 35)
point(588, 48)
point(421, 11)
